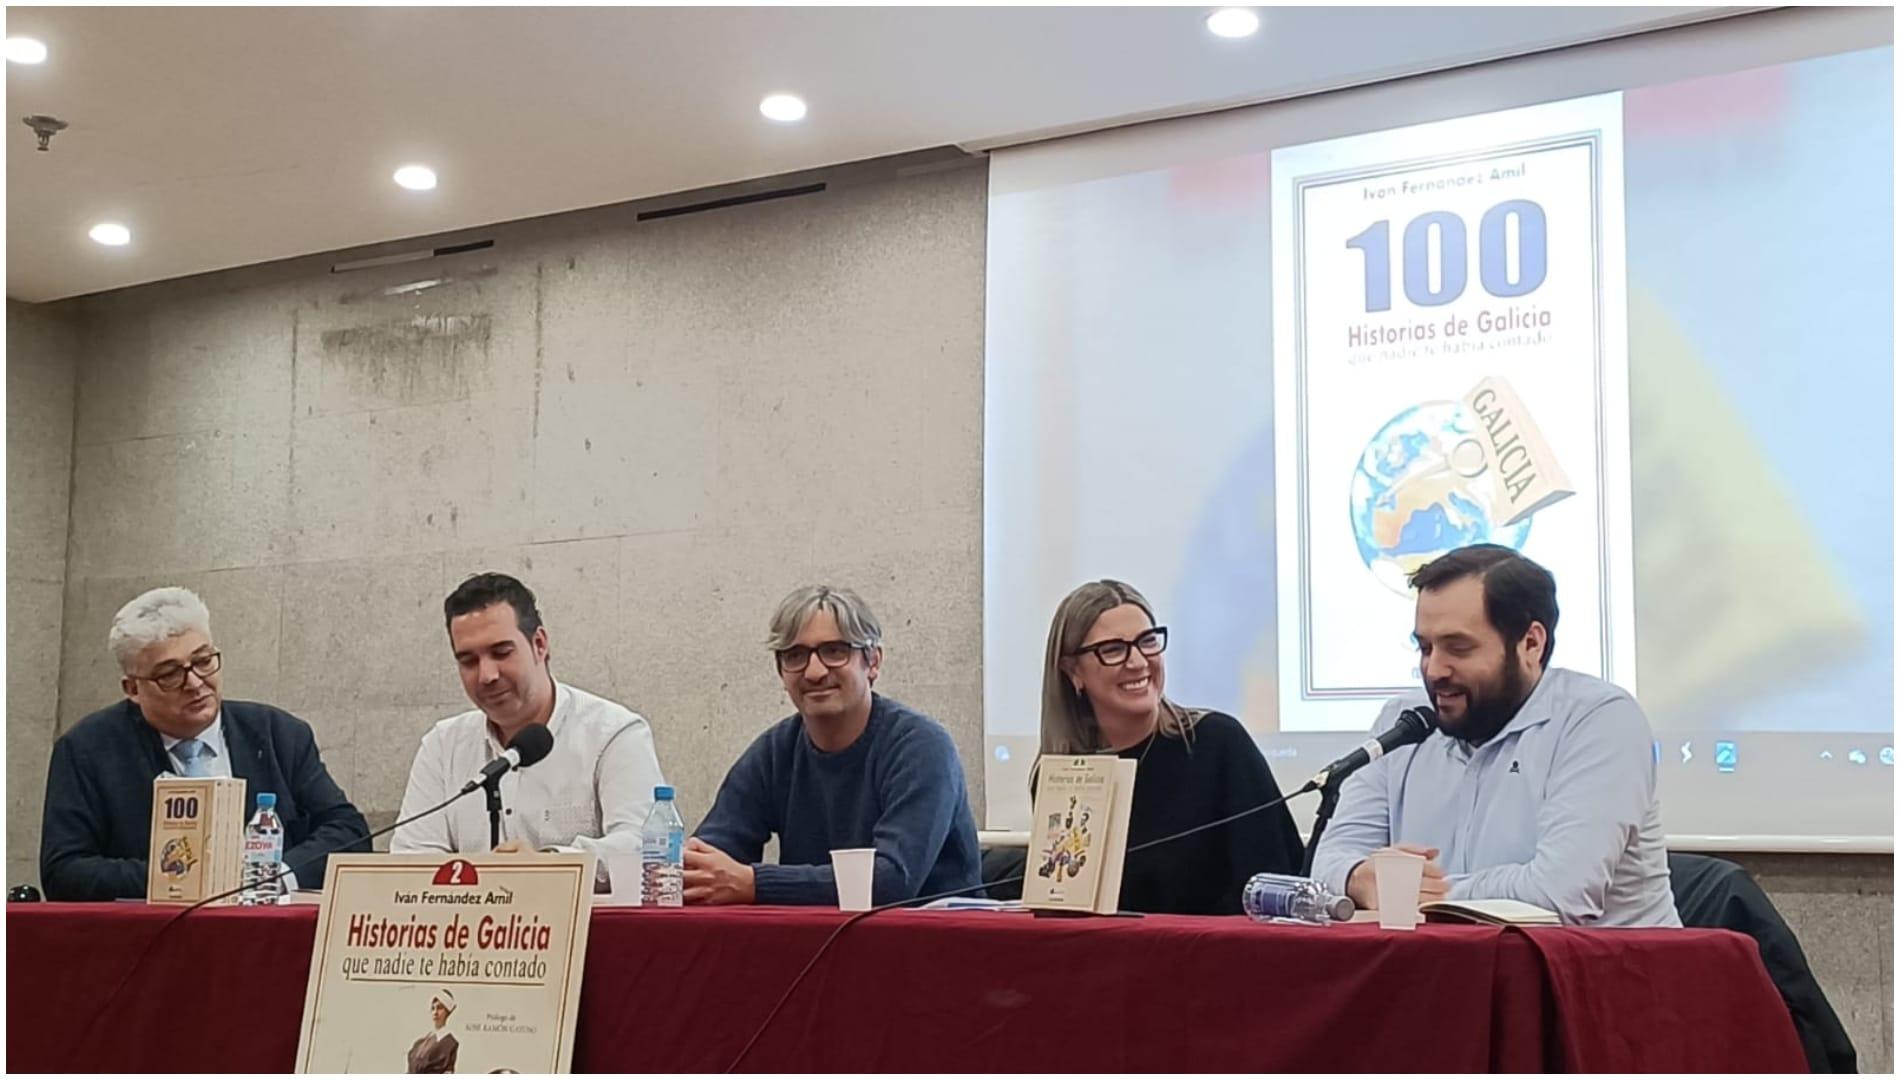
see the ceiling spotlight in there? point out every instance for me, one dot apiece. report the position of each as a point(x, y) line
point(1233, 23)
point(785, 108)
point(25, 50)
point(416, 177)
point(111, 234)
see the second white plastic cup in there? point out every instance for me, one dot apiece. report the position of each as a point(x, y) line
point(623, 880)
point(852, 867)
point(1398, 875)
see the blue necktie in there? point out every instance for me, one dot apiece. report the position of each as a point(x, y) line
point(193, 755)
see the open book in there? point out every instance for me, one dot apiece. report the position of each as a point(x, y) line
point(1500, 912)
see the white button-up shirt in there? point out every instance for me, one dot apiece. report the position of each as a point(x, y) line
point(592, 791)
point(1558, 809)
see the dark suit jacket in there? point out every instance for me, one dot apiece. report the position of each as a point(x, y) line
point(97, 829)
point(433, 1055)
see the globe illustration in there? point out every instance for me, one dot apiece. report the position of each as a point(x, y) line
point(1420, 489)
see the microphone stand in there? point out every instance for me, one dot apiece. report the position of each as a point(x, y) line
point(1328, 802)
point(493, 788)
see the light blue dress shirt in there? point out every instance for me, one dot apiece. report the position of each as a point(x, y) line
point(217, 762)
point(217, 756)
point(1558, 809)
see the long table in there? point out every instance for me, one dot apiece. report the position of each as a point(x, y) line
point(683, 990)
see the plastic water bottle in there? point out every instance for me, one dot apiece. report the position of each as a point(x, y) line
point(662, 852)
point(1283, 896)
point(263, 854)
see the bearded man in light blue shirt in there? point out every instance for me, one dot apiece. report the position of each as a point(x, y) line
point(1539, 784)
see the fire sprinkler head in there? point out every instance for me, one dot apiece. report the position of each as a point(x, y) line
point(45, 127)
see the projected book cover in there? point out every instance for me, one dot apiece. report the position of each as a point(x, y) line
point(1450, 368)
point(1267, 477)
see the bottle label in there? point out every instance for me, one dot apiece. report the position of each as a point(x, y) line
point(1282, 896)
point(1271, 900)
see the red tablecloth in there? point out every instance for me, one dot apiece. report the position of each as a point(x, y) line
point(682, 991)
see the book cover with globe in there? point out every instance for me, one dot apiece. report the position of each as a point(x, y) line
point(1450, 368)
point(1445, 474)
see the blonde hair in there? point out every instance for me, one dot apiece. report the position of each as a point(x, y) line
point(1068, 721)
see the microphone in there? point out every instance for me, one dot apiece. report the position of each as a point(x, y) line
point(1414, 726)
point(530, 745)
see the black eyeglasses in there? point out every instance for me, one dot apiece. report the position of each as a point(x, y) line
point(1116, 653)
point(832, 654)
point(172, 677)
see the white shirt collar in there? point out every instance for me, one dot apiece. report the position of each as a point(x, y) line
point(563, 704)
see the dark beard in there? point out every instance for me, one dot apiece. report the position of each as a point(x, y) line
point(1488, 709)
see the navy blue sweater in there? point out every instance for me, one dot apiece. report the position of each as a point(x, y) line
point(899, 788)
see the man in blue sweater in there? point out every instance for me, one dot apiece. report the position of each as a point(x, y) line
point(850, 769)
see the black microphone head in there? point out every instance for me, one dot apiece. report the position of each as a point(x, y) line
point(533, 743)
point(1417, 723)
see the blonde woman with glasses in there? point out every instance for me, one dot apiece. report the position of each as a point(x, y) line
point(1102, 683)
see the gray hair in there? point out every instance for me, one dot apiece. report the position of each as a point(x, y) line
point(853, 615)
point(155, 616)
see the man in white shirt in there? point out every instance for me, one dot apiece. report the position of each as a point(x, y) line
point(591, 792)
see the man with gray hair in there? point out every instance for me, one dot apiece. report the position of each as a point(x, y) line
point(849, 769)
point(97, 828)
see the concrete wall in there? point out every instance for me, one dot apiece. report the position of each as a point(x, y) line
point(662, 426)
point(41, 362)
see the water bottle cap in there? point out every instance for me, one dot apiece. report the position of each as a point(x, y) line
point(266, 800)
point(664, 791)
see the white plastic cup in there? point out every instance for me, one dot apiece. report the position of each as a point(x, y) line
point(623, 879)
point(852, 867)
point(1398, 875)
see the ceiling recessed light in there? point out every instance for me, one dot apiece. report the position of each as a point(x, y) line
point(25, 50)
point(111, 234)
point(785, 108)
point(1233, 23)
point(416, 177)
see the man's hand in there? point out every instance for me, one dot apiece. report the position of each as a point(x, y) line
point(1363, 887)
point(512, 847)
point(713, 877)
